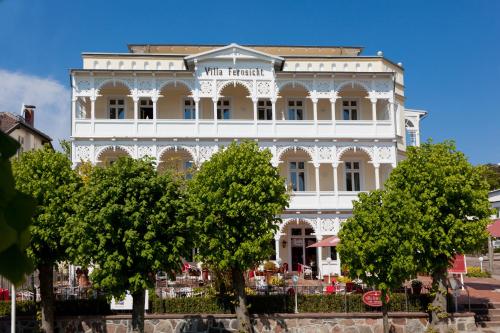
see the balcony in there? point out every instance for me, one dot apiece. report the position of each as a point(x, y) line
point(325, 200)
point(181, 128)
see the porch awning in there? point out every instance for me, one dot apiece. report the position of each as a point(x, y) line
point(494, 228)
point(329, 241)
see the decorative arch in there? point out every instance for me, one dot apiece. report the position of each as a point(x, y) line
point(283, 84)
point(283, 150)
point(409, 124)
point(101, 150)
point(353, 83)
point(244, 84)
point(166, 149)
point(286, 222)
point(127, 84)
point(185, 83)
point(366, 150)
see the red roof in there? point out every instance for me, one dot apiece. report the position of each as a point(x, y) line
point(329, 241)
point(494, 228)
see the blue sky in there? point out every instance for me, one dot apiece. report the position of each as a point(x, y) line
point(450, 49)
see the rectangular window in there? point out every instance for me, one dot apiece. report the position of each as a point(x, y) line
point(333, 252)
point(265, 110)
point(352, 176)
point(116, 108)
point(350, 110)
point(189, 109)
point(145, 109)
point(296, 232)
point(188, 165)
point(297, 176)
point(223, 109)
point(295, 109)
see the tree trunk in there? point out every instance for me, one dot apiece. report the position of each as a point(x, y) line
point(139, 299)
point(46, 276)
point(385, 313)
point(244, 324)
point(439, 317)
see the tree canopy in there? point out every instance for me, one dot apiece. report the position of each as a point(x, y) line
point(46, 175)
point(235, 200)
point(127, 226)
point(16, 210)
point(492, 175)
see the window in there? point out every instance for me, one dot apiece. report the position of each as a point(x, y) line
point(333, 252)
point(223, 109)
point(309, 231)
point(189, 109)
point(295, 109)
point(145, 109)
point(352, 176)
point(116, 108)
point(188, 165)
point(265, 110)
point(297, 176)
point(350, 110)
point(296, 232)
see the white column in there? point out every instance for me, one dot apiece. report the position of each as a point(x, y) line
point(92, 113)
point(374, 115)
point(73, 114)
point(377, 175)
point(318, 238)
point(136, 111)
point(277, 247)
point(417, 138)
point(315, 113)
point(273, 108)
point(316, 174)
point(393, 116)
point(335, 179)
point(197, 114)
point(155, 112)
point(215, 115)
point(255, 101)
point(332, 107)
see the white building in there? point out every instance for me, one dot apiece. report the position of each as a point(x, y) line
point(334, 120)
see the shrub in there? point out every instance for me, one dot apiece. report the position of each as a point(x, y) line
point(97, 306)
point(474, 271)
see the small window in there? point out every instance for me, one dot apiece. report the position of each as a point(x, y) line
point(188, 167)
point(116, 108)
point(223, 109)
point(145, 109)
point(189, 109)
point(297, 176)
point(349, 110)
point(296, 232)
point(352, 176)
point(333, 252)
point(295, 109)
point(265, 110)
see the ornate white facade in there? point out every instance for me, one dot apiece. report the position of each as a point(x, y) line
point(334, 121)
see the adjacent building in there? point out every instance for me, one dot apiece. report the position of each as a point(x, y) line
point(334, 120)
point(22, 128)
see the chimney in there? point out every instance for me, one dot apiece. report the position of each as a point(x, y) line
point(29, 114)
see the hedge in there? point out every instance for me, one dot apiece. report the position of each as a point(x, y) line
point(98, 306)
point(258, 304)
point(286, 304)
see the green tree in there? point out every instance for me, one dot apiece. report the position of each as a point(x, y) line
point(235, 200)
point(492, 175)
point(376, 247)
point(16, 211)
point(449, 200)
point(46, 175)
point(128, 226)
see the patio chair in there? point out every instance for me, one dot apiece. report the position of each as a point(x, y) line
point(306, 271)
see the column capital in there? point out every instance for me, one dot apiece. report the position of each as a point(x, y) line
point(314, 100)
point(333, 99)
point(373, 100)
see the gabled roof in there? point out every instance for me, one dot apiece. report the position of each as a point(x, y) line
point(10, 122)
point(276, 60)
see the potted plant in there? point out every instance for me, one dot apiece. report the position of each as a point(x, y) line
point(416, 286)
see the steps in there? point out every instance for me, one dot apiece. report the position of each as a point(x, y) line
point(492, 319)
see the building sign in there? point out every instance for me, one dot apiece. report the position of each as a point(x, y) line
point(373, 299)
point(127, 302)
point(233, 72)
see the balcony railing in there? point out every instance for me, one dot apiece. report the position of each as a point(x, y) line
point(203, 128)
point(326, 200)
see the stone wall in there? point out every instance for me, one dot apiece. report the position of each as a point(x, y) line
point(293, 323)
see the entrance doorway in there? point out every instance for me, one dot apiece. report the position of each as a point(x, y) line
point(301, 238)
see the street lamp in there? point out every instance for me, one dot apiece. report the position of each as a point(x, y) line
point(328, 262)
point(481, 262)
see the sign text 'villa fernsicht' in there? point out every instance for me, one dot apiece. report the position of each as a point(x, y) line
point(216, 71)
